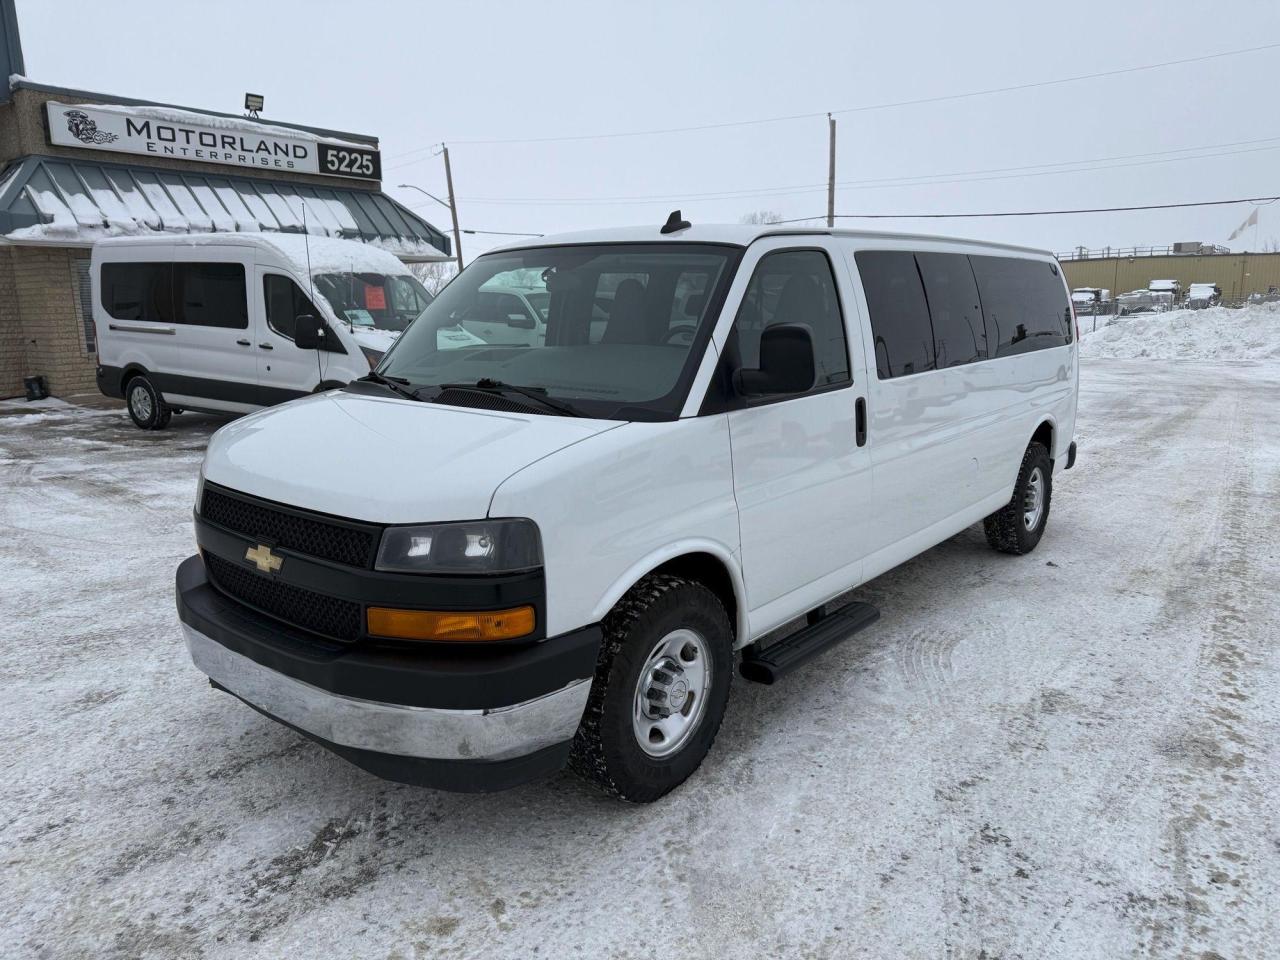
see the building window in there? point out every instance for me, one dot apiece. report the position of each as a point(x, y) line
point(84, 288)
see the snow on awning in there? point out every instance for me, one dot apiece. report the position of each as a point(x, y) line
point(75, 202)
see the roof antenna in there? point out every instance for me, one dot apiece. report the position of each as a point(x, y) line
point(674, 223)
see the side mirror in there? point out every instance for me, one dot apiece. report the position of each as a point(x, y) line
point(786, 363)
point(309, 333)
point(521, 321)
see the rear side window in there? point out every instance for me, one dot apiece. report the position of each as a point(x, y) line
point(211, 295)
point(138, 291)
point(1025, 304)
point(794, 286)
point(285, 302)
point(954, 308)
point(899, 312)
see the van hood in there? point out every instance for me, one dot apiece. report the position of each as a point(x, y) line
point(374, 338)
point(384, 460)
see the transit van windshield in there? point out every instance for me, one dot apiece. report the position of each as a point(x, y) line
point(611, 330)
point(384, 301)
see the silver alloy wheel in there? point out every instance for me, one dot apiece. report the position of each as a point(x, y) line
point(140, 402)
point(1033, 501)
point(671, 694)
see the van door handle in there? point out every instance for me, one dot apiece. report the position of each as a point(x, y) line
point(265, 346)
point(860, 418)
point(243, 343)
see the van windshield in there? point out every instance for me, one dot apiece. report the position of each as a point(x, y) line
point(384, 301)
point(612, 330)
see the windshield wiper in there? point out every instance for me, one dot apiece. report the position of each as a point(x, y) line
point(536, 394)
point(396, 385)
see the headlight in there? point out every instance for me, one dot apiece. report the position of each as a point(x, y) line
point(472, 546)
point(373, 356)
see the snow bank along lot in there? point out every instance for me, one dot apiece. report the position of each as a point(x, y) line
point(1071, 754)
point(1215, 333)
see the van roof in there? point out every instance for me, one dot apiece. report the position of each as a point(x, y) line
point(326, 254)
point(739, 234)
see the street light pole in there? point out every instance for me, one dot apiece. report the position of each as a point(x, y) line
point(453, 210)
point(453, 207)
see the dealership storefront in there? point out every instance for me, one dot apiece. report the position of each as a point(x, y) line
point(77, 166)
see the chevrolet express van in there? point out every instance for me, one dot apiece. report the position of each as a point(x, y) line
point(480, 563)
point(207, 322)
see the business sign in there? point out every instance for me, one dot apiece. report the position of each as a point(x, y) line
point(157, 134)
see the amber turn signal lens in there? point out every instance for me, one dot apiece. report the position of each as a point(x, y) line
point(450, 625)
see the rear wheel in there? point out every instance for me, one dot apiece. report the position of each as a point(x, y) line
point(146, 407)
point(659, 692)
point(1017, 527)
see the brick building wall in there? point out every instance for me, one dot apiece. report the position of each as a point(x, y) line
point(41, 328)
point(13, 354)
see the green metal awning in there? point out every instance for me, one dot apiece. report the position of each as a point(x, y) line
point(49, 200)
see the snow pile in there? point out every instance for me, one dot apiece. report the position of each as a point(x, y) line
point(1215, 333)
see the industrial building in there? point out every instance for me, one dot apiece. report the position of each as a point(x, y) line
point(1238, 274)
point(76, 166)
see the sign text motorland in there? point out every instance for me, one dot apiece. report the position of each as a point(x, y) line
point(123, 131)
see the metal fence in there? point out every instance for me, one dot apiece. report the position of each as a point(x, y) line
point(1105, 253)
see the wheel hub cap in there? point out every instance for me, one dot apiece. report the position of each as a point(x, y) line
point(140, 402)
point(1033, 501)
point(671, 691)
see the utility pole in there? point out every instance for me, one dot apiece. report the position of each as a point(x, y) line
point(453, 208)
point(831, 172)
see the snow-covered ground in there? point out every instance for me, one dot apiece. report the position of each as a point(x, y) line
point(1071, 754)
point(1215, 333)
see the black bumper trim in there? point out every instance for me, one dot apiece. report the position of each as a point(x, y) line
point(459, 776)
point(445, 676)
point(1071, 455)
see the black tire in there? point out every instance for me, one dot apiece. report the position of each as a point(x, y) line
point(147, 408)
point(606, 751)
point(1007, 529)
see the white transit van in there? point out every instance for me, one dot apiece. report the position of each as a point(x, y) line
point(484, 562)
point(207, 322)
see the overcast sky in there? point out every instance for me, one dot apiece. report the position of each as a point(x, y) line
point(415, 73)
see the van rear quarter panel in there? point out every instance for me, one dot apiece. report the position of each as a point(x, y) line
point(615, 506)
point(946, 442)
point(124, 348)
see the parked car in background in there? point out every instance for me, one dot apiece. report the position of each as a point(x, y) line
point(572, 545)
point(1201, 295)
point(207, 322)
point(1089, 301)
point(1171, 287)
point(507, 315)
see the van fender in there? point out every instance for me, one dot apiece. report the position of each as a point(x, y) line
point(680, 548)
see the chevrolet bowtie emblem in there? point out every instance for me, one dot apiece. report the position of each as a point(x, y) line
point(262, 558)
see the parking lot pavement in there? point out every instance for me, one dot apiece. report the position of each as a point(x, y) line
point(1070, 754)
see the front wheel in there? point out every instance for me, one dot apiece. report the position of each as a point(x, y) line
point(146, 407)
point(659, 691)
point(1017, 527)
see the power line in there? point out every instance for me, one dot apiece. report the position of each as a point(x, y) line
point(961, 176)
point(1032, 213)
point(942, 98)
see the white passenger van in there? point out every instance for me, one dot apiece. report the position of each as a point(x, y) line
point(481, 563)
point(207, 322)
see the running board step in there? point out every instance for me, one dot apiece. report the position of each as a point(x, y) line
point(778, 659)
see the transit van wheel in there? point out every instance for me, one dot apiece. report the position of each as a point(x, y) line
point(1017, 527)
point(146, 407)
point(659, 692)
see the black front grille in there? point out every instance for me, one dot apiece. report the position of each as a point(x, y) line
point(349, 545)
point(329, 616)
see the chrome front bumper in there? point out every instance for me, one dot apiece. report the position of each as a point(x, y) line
point(424, 732)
